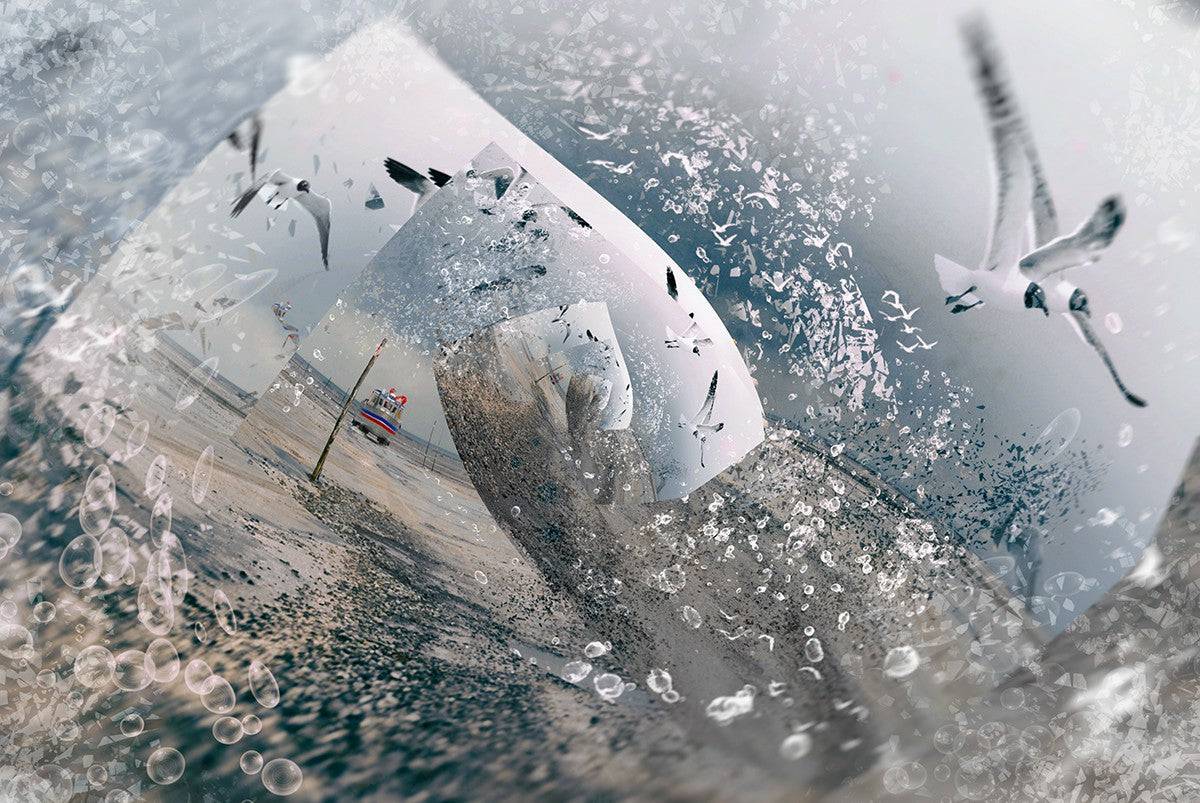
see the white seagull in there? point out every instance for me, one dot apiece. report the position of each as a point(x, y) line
point(691, 339)
point(424, 186)
point(1011, 277)
point(284, 188)
point(701, 423)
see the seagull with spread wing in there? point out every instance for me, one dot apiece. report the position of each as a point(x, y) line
point(701, 424)
point(1011, 276)
point(424, 186)
point(284, 188)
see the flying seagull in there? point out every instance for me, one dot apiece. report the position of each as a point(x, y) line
point(701, 424)
point(284, 188)
point(691, 339)
point(423, 185)
point(246, 137)
point(1013, 277)
point(672, 287)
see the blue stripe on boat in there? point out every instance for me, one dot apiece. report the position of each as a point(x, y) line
point(377, 419)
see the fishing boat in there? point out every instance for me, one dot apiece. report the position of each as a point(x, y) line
point(378, 415)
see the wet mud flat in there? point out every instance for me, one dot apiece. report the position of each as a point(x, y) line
point(396, 672)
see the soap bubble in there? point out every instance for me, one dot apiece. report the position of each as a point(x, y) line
point(10, 531)
point(263, 685)
point(99, 501)
point(227, 730)
point(251, 762)
point(281, 776)
point(160, 519)
point(132, 725)
point(94, 666)
point(251, 724)
point(99, 426)
point(79, 564)
point(594, 649)
point(156, 611)
point(133, 670)
point(16, 642)
point(202, 475)
point(165, 766)
point(156, 476)
point(1057, 436)
point(196, 675)
point(218, 695)
point(97, 775)
point(226, 615)
point(165, 660)
point(481, 578)
point(44, 612)
point(136, 440)
point(814, 652)
point(114, 555)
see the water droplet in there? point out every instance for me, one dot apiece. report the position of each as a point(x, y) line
point(79, 565)
point(202, 475)
point(796, 746)
point(94, 667)
point(609, 686)
point(901, 662)
point(576, 671)
point(659, 681)
point(263, 685)
point(594, 649)
point(165, 766)
point(814, 652)
point(251, 762)
point(227, 730)
point(281, 776)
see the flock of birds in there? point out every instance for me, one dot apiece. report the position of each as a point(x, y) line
point(1021, 270)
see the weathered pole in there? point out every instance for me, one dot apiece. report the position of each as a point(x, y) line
point(425, 453)
point(316, 474)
